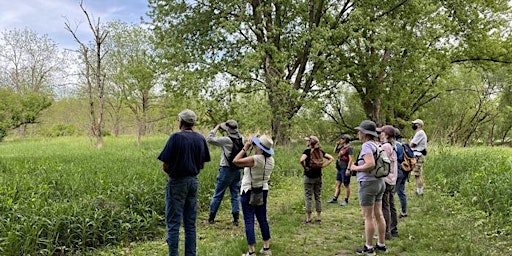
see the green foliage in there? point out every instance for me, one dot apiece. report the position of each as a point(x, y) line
point(62, 196)
point(58, 130)
point(479, 175)
point(17, 109)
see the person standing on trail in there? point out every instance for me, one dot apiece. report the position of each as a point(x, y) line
point(312, 163)
point(402, 176)
point(345, 154)
point(183, 157)
point(371, 189)
point(387, 140)
point(419, 146)
point(257, 170)
point(229, 173)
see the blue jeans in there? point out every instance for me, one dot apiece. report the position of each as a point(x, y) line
point(226, 178)
point(261, 215)
point(181, 204)
point(400, 189)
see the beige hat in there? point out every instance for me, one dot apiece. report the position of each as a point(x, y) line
point(188, 116)
point(418, 121)
point(314, 140)
point(265, 143)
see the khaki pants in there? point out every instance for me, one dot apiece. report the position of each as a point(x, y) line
point(313, 187)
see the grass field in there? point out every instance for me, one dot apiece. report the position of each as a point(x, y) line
point(63, 197)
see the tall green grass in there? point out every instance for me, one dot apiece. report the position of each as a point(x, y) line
point(63, 196)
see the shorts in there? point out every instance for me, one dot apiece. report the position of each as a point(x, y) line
point(340, 176)
point(418, 168)
point(371, 192)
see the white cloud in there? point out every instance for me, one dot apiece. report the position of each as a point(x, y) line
point(48, 16)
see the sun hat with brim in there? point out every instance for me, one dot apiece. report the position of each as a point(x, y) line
point(368, 127)
point(265, 143)
point(231, 127)
point(418, 121)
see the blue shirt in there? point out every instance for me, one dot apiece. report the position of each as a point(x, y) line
point(185, 152)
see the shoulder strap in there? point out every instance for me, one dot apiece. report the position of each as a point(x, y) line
point(264, 171)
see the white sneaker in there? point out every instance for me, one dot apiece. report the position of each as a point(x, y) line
point(249, 254)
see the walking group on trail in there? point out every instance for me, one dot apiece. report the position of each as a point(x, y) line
point(381, 169)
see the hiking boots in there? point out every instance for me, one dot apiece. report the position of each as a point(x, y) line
point(235, 219)
point(211, 218)
point(365, 251)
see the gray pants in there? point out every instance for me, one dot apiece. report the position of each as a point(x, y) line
point(313, 186)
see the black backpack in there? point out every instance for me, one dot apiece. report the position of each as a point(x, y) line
point(237, 146)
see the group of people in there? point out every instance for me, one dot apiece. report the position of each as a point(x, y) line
point(186, 152)
point(376, 195)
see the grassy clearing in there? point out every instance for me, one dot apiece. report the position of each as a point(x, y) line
point(64, 196)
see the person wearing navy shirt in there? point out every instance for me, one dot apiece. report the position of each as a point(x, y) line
point(183, 157)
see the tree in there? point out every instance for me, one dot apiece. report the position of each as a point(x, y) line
point(30, 65)
point(94, 73)
point(297, 51)
point(273, 46)
point(132, 71)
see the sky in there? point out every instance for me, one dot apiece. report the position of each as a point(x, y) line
point(48, 16)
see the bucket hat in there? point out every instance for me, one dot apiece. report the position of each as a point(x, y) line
point(265, 143)
point(231, 127)
point(368, 127)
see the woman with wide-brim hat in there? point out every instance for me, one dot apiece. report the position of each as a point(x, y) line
point(257, 170)
point(371, 189)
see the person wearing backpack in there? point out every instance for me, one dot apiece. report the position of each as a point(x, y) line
point(371, 189)
point(312, 163)
point(387, 139)
point(402, 176)
point(419, 146)
point(345, 153)
point(229, 174)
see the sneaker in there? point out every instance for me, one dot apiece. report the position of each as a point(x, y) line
point(365, 251)
point(389, 236)
point(265, 252)
point(380, 248)
point(333, 200)
point(210, 221)
point(344, 203)
point(249, 254)
point(235, 223)
point(403, 215)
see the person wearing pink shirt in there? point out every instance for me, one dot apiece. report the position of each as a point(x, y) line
point(387, 139)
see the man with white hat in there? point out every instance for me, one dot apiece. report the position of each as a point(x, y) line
point(419, 146)
point(229, 174)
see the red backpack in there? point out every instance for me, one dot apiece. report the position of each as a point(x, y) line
point(344, 154)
